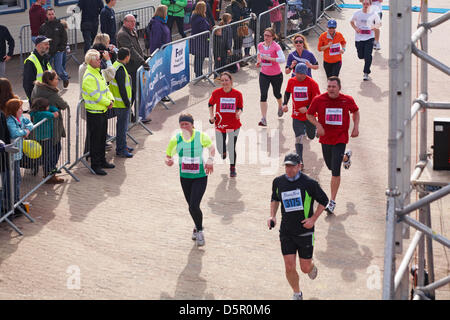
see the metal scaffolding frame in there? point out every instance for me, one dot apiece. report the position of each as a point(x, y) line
point(400, 181)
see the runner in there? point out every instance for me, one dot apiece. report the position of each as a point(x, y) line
point(303, 89)
point(270, 55)
point(332, 43)
point(333, 109)
point(297, 193)
point(229, 106)
point(189, 144)
point(301, 54)
point(364, 22)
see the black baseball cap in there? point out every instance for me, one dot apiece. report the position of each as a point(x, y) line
point(292, 159)
point(40, 39)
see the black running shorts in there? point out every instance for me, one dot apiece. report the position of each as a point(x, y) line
point(333, 154)
point(304, 245)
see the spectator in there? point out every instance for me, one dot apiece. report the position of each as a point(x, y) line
point(176, 14)
point(46, 135)
point(209, 13)
point(36, 64)
point(19, 127)
point(120, 87)
point(275, 18)
point(158, 33)
point(220, 50)
point(247, 41)
point(127, 37)
point(6, 93)
point(199, 46)
point(54, 29)
point(97, 99)
point(239, 11)
point(90, 11)
point(257, 7)
point(108, 20)
point(37, 18)
point(5, 36)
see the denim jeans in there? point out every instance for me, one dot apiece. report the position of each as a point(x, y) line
point(123, 115)
point(58, 61)
point(364, 49)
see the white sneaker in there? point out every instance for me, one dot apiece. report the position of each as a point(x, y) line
point(376, 46)
point(297, 296)
point(366, 77)
point(330, 207)
point(313, 273)
point(347, 163)
point(194, 234)
point(200, 239)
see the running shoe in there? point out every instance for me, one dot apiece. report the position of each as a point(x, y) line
point(348, 163)
point(194, 234)
point(280, 112)
point(376, 46)
point(200, 239)
point(366, 77)
point(233, 173)
point(313, 273)
point(263, 122)
point(330, 207)
point(297, 296)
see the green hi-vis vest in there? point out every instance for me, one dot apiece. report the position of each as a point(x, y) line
point(95, 91)
point(190, 155)
point(118, 102)
point(38, 66)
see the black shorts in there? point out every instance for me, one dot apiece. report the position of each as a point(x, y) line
point(303, 244)
point(333, 155)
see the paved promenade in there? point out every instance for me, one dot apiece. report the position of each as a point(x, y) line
point(127, 235)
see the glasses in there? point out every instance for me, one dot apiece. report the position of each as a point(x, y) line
point(298, 41)
point(267, 35)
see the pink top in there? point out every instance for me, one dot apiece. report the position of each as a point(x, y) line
point(275, 15)
point(270, 68)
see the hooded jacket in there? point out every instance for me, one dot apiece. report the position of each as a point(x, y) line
point(159, 33)
point(37, 18)
point(55, 31)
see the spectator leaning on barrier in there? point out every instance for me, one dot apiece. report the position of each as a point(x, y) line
point(175, 14)
point(5, 36)
point(127, 37)
point(37, 16)
point(199, 46)
point(108, 20)
point(97, 99)
point(90, 11)
point(120, 87)
point(209, 13)
point(54, 29)
point(158, 33)
point(36, 64)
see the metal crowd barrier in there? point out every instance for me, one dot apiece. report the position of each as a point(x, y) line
point(264, 22)
point(143, 16)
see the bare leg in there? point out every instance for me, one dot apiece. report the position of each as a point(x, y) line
point(335, 182)
point(291, 273)
point(264, 109)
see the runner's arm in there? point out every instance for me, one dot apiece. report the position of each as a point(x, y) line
point(355, 131)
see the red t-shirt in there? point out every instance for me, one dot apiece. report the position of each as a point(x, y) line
point(227, 104)
point(334, 116)
point(303, 93)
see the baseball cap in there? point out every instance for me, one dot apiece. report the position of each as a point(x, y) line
point(332, 23)
point(292, 159)
point(40, 39)
point(301, 68)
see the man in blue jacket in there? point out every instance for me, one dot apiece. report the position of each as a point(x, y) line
point(90, 11)
point(108, 20)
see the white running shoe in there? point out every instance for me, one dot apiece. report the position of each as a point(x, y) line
point(263, 122)
point(313, 273)
point(366, 77)
point(330, 207)
point(200, 239)
point(194, 234)
point(297, 296)
point(376, 46)
point(348, 163)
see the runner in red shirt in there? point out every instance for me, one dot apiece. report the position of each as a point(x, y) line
point(226, 116)
point(303, 90)
point(333, 121)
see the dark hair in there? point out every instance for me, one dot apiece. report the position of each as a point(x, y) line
point(186, 117)
point(6, 92)
point(11, 107)
point(39, 104)
point(50, 9)
point(123, 53)
point(49, 75)
point(334, 78)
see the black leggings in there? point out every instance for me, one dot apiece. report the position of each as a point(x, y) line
point(193, 190)
point(221, 141)
point(264, 83)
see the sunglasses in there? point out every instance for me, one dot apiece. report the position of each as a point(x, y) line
point(298, 41)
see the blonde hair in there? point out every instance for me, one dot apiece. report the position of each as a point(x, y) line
point(102, 38)
point(200, 9)
point(161, 11)
point(305, 43)
point(91, 54)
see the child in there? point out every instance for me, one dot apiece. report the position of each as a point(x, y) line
point(40, 110)
point(19, 127)
point(219, 50)
point(275, 18)
point(247, 42)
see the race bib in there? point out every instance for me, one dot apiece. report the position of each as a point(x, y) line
point(292, 200)
point(335, 49)
point(365, 30)
point(228, 105)
point(190, 165)
point(264, 62)
point(300, 93)
point(333, 116)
